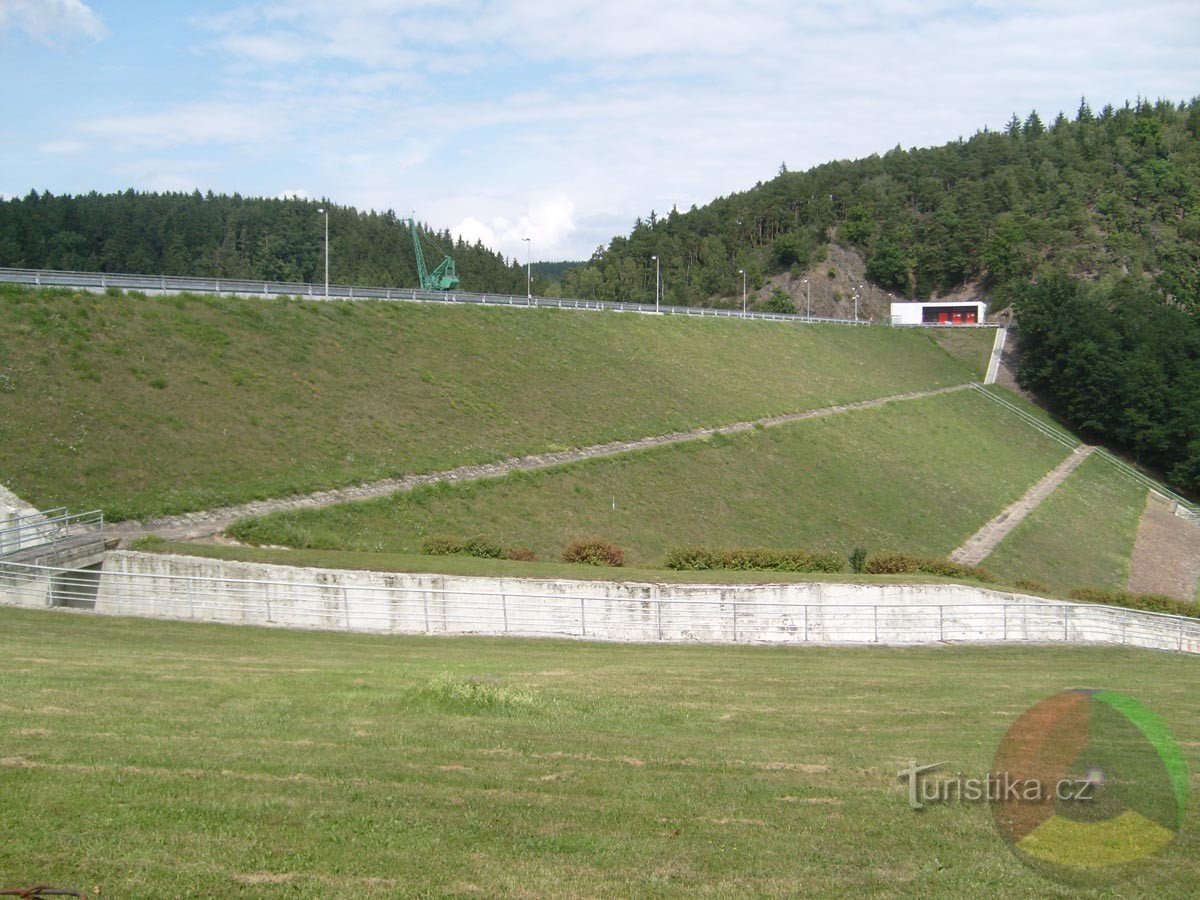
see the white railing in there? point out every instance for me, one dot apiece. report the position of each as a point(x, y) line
point(32, 530)
point(427, 610)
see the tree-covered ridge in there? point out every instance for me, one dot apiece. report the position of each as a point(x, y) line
point(234, 237)
point(1114, 192)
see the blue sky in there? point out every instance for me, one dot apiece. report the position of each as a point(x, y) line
point(560, 121)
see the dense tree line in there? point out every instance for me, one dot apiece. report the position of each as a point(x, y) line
point(1110, 192)
point(233, 237)
point(1119, 364)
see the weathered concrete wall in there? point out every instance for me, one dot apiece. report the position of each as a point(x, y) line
point(251, 593)
point(14, 511)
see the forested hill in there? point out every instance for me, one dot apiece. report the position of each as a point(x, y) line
point(232, 236)
point(1109, 192)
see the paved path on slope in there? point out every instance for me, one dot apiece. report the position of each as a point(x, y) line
point(1166, 554)
point(976, 548)
point(202, 524)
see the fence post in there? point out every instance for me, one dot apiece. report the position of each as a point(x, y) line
point(1004, 612)
point(582, 618)
point(504, 610)
point(425, 603)
point(875, 611)
point(1124, 628)
point(942, 624)
point(190, 599)
point(346, 607)
point(1180, 647)
point(735, 606)
point(806, 621)
point(1066, 622)
point(658, 609)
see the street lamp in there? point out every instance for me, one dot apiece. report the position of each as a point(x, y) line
point(528, 276)
point(742, 272)
point(808, 299)
point(656, 281)
point(326, 213)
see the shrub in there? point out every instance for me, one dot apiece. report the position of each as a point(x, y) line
point(594, 552)
point(905, 563)
point(858, 560)
point(521, 554)
point(476, 693)
point(691, 559)
point(1158, 603)
point(1025, 584)
point(449, 546)
point(758, 559)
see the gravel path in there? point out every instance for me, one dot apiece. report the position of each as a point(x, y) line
point(191, 526)
point(1166, 554)
point(984, 541)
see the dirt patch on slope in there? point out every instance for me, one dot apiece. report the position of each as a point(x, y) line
point(1166, 554)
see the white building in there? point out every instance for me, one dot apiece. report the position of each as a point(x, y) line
point(940, 312)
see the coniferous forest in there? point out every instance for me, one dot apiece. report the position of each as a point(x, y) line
point(233, 237)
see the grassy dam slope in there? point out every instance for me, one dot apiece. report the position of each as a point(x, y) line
point(154, 405)
point(917, 475)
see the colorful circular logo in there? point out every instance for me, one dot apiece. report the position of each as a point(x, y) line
point(1089, 786)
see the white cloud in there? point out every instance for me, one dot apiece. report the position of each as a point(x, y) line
point(63, 146)
point(213, 122)
point(51, 21)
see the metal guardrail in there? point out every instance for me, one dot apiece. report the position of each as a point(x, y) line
point(32, 530)
point(442, 611)
point(241, 287)
point(1055, 434)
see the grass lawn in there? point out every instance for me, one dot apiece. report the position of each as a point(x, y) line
point(1082, 535)
point(154, 759)
point(971, 345)
point(905, 476)
point(154, 405)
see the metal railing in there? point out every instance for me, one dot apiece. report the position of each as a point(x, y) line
point(27, 531)
point(420, 610)
point(1055, 434)
point(241, 287)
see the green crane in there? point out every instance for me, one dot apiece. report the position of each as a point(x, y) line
point(443, 278)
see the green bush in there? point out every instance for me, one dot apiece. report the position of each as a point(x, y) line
point(858, 560)
point(754, 559)
point(908, 563)
point(477, 546)
point(1158, 603)
point(594, 552)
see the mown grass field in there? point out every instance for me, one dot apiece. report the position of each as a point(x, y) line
point(918, 475)
point(152, 759)
point(1082, 535)
point(154, 405)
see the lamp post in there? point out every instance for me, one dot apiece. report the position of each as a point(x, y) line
point(855, 295)
point(326, 213)
point(807, 299)
point(528, 276)
point(656, 281)
point(742, 272)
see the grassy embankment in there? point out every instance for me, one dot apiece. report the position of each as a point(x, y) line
point(154, 405)
point(920, 476)
point(1081, 535)
point(159, 759)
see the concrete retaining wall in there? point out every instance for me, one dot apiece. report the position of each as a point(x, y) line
point(179, 587)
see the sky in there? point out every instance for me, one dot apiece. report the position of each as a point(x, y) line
point(560, 121)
